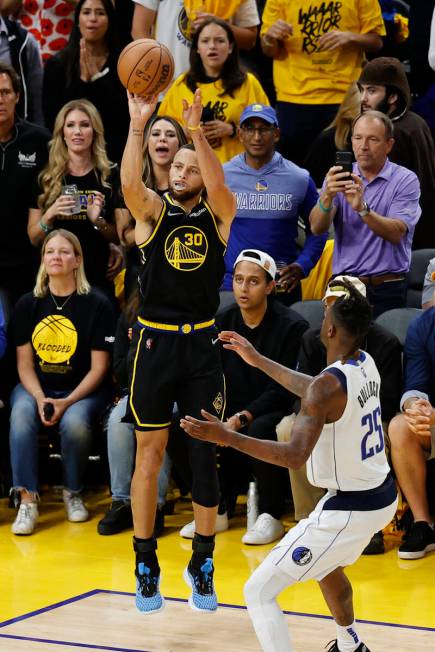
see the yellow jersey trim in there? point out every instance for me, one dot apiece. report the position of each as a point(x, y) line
point(159, 220)
point(224, 242)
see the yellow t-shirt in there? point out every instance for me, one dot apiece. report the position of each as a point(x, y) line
point(306, 76)
point(223, 8)
point(225, 107)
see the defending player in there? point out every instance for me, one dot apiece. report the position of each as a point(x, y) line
point(182, 239)
point(338, 433)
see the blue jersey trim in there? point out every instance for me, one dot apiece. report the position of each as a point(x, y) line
point(364, 501)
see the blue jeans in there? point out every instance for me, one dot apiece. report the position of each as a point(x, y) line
point(121, 446)
point(75, 430)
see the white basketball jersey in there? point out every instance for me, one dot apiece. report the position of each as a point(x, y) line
point(350, 453)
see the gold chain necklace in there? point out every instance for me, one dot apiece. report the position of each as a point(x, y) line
point(64, 303)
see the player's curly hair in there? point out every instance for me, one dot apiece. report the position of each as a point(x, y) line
point(353, 313)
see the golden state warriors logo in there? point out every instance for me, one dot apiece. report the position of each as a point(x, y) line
point(186, 248)
point(54, 340)
point(185, 26)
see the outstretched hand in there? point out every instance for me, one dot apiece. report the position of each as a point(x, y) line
point(235, 342)
point(211, 429)
point(141, 108)
point(192, 112)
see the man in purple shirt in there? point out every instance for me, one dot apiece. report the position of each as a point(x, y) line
point(374, 211)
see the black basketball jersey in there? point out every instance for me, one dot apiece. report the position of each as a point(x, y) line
point(182, 265)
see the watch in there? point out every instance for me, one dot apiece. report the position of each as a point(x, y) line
point(242, 418)
point(365, 209)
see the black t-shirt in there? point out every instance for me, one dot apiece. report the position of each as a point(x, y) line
point(62, 340)
point(182, 265)
point(94, 244)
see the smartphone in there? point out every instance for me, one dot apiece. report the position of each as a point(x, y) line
point(207, 114)
point(345, 159)
point(48, 410)
point(71, 189)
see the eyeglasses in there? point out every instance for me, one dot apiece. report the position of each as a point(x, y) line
point(262, 131)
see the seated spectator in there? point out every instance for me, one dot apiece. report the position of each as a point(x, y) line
point(412, 433)
point(427, 297)
point(63, 332)
point(336, 137)
point(225, 88)
point(24, 154)
point(19, 49)
point(272, 193)
point(386, 351)
point(374, 211)
point(384, 87)
point(317, 52)
point(86, 68)
point(121, 439)
point(168, 22)
point(255, 404)
point(78, 158)
point(163, 137)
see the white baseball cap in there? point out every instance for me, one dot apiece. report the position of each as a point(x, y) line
point(336, 288)
point(258, 257)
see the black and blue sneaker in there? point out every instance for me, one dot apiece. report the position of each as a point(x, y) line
point(203, 597)
point(149, 600)
point(334, 647)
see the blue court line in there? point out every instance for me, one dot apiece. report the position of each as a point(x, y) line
point(106, 648)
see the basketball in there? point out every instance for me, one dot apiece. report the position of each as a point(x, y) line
point(146, 67)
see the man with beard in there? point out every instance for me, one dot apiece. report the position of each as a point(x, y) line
point(182, 239)
point(384, 87)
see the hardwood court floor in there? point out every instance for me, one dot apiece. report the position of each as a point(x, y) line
point(62, 561)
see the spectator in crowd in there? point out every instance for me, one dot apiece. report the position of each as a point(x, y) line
point(336, 137)
point(374, 211)
point(226, 89)
point(163, 137)
point(272, 193)
point(121, 441)
point(427, 297)
point(86, 68)
point(171, 22)
point(24, 151)
point(63, 333)
point(19, 49)
point(317, 52)
point(412, 433)
point(49, 22)
point(386, 351)
point(255, 403)
point(384, 87)
point(78, 159)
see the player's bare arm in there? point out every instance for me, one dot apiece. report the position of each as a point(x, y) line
point(144, 204)
point(219, 196)
point(294, 381)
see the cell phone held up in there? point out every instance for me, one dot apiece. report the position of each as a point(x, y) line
point(48, 411)
point(207, 114)
point(345, 159)
point(72, 191)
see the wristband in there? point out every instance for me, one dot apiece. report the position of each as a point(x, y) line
point(194, 128)
point(45, 227)
point(322, 207)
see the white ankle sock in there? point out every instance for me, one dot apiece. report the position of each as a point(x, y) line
point(347, 638)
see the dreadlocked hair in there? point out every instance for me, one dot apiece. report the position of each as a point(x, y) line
point(353, 313)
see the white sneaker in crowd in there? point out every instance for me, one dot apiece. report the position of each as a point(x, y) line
point(265, 530)
point(188, 531)
point(26, 519)
point(75, 508)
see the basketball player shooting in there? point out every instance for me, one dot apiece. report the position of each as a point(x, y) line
point(182, 239)
point(338, 434)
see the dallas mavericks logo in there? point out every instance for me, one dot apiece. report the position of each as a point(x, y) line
point(186, 248)
point(302, 556)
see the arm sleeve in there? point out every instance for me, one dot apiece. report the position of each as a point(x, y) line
point(370, 17)
point(405, 205)
point(271, 13)
point(314, 244)
point(256, 93)
point(34, 80)
point(246, 15)
point(171, 104)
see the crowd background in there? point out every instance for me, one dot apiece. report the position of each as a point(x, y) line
point(304, 71)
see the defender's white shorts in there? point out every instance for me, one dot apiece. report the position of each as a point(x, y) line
point(332, 537)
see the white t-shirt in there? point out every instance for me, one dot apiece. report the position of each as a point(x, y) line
point(172, 26)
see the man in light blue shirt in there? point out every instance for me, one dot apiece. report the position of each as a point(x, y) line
point(272, 194)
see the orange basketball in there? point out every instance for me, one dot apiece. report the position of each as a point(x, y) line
point(146, 67)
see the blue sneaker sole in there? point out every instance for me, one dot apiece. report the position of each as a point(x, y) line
point(192, 605)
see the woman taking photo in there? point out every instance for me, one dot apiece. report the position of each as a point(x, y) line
point(226, 88)
point(163, 138)
point(63, 333)
point(78, 163)
point(86, 68)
